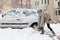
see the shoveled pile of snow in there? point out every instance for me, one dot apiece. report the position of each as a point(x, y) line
point(22, 34)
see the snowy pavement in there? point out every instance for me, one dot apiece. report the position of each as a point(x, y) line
point(56, 29)
point(23, 34)
point(28, 33)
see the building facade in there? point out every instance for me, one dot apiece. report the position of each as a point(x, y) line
point(47, 5)
point(7, 4)
point(52, 6)
point(57, 9)
point(21, 3)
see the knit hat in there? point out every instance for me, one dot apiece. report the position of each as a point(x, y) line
point(39, 11)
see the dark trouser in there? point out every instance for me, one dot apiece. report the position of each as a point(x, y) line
point(48, 25)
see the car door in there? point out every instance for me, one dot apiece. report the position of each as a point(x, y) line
point(25, 15)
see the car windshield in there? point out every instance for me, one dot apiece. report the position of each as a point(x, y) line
point(17, 13)
point(26, 12)
point(33, 12)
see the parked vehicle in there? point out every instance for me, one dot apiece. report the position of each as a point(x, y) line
point(19, 18)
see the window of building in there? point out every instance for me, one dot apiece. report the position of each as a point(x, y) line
point(58, 3)
point(55, 0)
point(45, 1)
point(42, 1)
point(56, 12)
point(59, 12)
point(23, 2)
point(20, 2)
point(36, 3)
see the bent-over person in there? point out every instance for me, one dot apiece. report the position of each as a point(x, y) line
point(44, 17)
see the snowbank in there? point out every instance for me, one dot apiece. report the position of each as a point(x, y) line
point(28, 33)
point(22, 34)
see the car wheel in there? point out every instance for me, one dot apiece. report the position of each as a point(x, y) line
point(34, 26)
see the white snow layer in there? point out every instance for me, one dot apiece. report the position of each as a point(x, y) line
point(55, 27)
point(22, 34)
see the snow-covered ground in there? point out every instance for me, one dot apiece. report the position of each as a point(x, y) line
point(23, 34)
point(28, 33)
point(56, 29)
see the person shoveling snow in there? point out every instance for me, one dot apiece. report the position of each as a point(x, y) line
point(44, 17)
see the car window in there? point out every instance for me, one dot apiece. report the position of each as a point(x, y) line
point(12, 13)
point(33, 12)
point(6, 14)
point(17, 13)
point(26, 12)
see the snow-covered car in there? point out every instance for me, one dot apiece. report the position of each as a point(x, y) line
point(19, 18)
